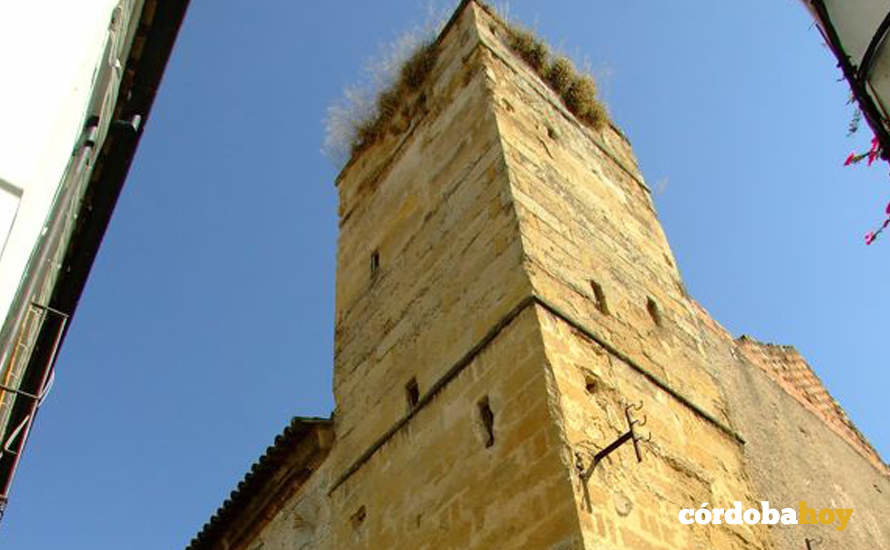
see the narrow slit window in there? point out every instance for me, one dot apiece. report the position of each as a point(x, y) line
point(375, 263)
point(599, 298)
point(412, 393)
point(486, 418)
point(654, 311)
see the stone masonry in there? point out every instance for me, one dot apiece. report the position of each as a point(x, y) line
point(504, 291)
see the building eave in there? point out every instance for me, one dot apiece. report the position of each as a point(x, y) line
point(287, 463)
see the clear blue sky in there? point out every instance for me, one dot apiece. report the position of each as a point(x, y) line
point(208, 318)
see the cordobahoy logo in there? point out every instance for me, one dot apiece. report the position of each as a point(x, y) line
point(766, 515)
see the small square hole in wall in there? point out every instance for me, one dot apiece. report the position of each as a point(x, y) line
point(358, 518)
point(412, 393)
point(552, 133)
point(654, 311)
point(375, 263)
point(599, 297)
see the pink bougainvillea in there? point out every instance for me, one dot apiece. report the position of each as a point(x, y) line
point(872, 235)
point(873, 152)
point(872, 155)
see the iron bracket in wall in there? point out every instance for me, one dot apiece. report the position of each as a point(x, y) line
point(630, 435)
point(812, 542)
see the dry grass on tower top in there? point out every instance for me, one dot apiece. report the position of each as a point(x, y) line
point(391, 101)
point(365, 118)
point(576, 89)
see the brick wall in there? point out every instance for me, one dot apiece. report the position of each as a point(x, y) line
point(789, 369)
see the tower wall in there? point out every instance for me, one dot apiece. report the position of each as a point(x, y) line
point(431, 290)
point(504, 291)
point(587, 221)
point(438, 483)
point(432, 201)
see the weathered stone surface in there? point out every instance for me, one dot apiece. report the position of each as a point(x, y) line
point(507, 260)
point(785, 366)
point(795, 451)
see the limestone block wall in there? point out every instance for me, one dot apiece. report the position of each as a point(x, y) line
point(587, 219)
point(441, 307)
point(431, 293)
point(432, 203)
point(504, 290)
point(441, 483)
point(599, 260)
point(687, 462)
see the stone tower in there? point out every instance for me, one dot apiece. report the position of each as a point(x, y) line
point(504, 293)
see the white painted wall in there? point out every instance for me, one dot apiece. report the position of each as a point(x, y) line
point(49, 51)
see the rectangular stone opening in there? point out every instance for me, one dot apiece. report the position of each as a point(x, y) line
point(599, 297)
point(654, 312)
point(358, 518)
point(412, 393)
point(486, 419)
point(375, 263)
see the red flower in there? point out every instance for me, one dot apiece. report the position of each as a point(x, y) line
point(850, 160)
point(888, 209)
point(869, 237)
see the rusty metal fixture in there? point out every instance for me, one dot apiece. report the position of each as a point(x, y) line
point(630, 435)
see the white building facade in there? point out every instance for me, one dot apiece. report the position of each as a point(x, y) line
point(77, 90)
